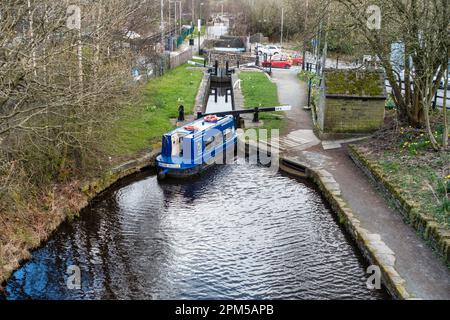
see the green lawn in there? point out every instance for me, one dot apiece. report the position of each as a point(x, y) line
point(419, 184)
point(142, 124)
point(418, 173)
point(259, 91)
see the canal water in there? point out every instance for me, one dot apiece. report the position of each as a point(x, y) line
point(220, 98)
point(236, 232)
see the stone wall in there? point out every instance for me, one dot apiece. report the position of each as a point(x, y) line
point(351, 102)
point(232, 58)
point(351, 115)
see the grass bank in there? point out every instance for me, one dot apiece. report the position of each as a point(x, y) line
point(420, 174)
point(259, 91)
point(141, 125)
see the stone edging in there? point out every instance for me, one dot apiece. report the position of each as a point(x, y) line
point(426, 226)
point(93, 188)
point(371, 245)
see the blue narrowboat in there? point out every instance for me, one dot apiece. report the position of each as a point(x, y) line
point(188, 150)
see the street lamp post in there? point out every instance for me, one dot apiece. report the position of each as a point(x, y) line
point(282, 27)
point(162, 22)
point(199, 26)
point(180, 16)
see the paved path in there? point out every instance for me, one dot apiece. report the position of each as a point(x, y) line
point(426, 276)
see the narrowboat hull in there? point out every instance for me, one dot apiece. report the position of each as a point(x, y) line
point(165, 170)
point(189, 150)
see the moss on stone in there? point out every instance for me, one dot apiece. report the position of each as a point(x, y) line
point(354, 83)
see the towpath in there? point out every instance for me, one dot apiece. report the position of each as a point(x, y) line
point(425, 275)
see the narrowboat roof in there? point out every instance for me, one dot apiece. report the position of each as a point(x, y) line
point(201, 125)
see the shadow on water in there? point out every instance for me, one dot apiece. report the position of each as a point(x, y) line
point(235, 232)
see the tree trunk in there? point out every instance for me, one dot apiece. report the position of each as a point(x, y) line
point(444, 109)
point(426, 108)
point(80, 60)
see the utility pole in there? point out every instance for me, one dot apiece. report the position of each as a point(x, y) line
point(282, 27)
point(199, 26)
point(325, 45)
point(317, 46)
point(162, 22)
point(305, 35)
point(193, 13)
point(170, 27)
point(180, 16)
point(175, 18)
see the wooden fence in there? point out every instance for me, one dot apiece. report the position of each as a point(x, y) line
point(180, 58)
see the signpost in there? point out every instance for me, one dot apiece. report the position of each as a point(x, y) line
point(199, 31)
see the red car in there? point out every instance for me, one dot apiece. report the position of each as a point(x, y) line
point(297, 61)
point(277, 64)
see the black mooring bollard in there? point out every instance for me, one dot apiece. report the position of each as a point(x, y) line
point(181, 113)
point(256, 115)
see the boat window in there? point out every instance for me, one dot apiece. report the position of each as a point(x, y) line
point(213, 141)
point(177, 145)
point(228, 133)
point(209, 142)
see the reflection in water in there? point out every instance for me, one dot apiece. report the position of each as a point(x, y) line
point(235, 232)
point(220, 98)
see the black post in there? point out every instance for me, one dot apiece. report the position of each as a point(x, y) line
point(309, 92)
point(215, 95)
point(238, 64)
point(216, 68)
point(256, 115)
point(232, 98)
point(226, 67)
point(237, 121)
point(304, 59)
point(226, 95)
point(204, 63)
point(181, 113)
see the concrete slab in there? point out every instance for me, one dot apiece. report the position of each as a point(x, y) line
point(329, 145)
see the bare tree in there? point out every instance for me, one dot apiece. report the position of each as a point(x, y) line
point(61, 86)
point(422, 27)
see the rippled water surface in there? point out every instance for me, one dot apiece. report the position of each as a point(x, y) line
point(236, 232)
